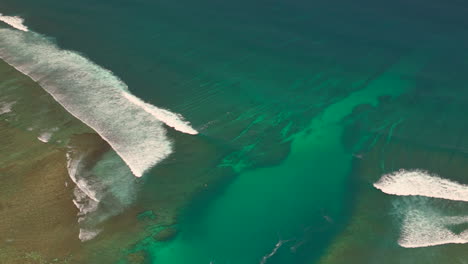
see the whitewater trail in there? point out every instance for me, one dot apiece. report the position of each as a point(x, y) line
point(101, 192)
point(133, 128)
point(421, 183)
point(94, 95)
point(424, 227)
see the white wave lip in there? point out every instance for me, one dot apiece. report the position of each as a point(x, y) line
point(169, 118)
point(421, 183)
point(94, 95)
point(422, 230)
point(14, 21)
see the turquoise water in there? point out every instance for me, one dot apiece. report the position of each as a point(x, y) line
point(298, 203)
point(300, 106)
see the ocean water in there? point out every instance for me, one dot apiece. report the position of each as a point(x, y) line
point(271, 131)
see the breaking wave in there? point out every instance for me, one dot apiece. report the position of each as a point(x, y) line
point(14, 21)
point(421, 183)
point(424, 224)
point(133, 128)
point(173, 120)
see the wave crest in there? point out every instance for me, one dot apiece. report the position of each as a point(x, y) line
point(96, 96)
point(421, 183)
point(14, 21)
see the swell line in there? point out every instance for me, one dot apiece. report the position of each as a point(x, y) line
point(95, 96)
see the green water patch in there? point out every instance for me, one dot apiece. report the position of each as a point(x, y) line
point(423, 129)
point(373, 233)
point(281, 213)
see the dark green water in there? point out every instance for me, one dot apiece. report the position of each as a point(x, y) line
point(290, 96)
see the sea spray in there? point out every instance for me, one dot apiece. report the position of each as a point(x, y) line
point(133, 128)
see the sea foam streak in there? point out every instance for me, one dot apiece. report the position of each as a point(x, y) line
point(421, 183)
point(85, 198)
point(94, 95)
point(273, 252)
point(421, 229)
point(101, 192)
point(14, 21)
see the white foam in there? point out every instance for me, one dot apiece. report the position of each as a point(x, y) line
point(85, 198)
point(14, 21)
point(422, 225)
point(273, 252)
point(86, 234)
point(96, 97)
point(84, 203)
point(114, 179)
point(73, 166)
point(45, 136)
point(171, 119)
point(100, 193)
point(6, 107)
point(421, 183)
point(421, 229)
